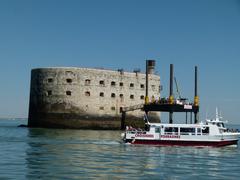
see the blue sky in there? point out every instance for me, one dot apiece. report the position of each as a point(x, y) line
point(123, 34)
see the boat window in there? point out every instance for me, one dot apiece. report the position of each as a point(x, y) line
point(220, 124)
point(157, 130)
point(198, 131)
point(171, 130)
point(205, 130)
point(187, 131)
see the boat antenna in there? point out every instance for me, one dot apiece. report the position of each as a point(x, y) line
point(207, 113)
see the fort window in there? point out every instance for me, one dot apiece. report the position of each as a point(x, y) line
point(87, 93)
point(69, 93)
point(153, 87)
point(49, 93)
point(113, 108)
point(50, 80)
point(101, 94)
point(121, 97)
point(142, 86)
point(121, 84)
point(131, 96)
point(87, 82)
point(131, 85)
point(113, 83)
point(142, 97)
point(69, 80)
point(113, 95)
point(101, 108)
point(160, 88)
point(102, 83)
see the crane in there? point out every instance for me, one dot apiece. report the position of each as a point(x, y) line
point(178, 92)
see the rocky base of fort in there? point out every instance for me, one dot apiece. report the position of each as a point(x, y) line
point(75, 121)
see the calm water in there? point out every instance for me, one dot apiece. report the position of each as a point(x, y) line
point(81, 154)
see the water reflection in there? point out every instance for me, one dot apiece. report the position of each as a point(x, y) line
point(74, 154)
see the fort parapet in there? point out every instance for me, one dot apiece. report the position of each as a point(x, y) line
point(86, 98)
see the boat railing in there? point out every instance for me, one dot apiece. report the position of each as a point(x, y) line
point(171, 133)
point(186, 133)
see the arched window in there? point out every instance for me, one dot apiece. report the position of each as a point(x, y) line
point(131, 85)
point(113, 108)
point(87, 93)
point(142, 97)
point(121, 84)
point(142, 86)
point(153, 87)
point(69, 80)
point(87, 82)
point(102, 83)
point(113, 95)
point(101, 94)
point(131, 96)
point(113, 83)
point(50, 80)
point(68, 93)
point(49, 93)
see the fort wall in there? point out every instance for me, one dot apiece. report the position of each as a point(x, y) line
point(87, 98)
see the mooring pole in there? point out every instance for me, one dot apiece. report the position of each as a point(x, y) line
point(171, 98)
point(186, 117)
point(196, 98)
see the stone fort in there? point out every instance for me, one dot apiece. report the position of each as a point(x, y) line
point(87, 98)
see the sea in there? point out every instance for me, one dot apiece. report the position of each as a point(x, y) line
point(37, 153)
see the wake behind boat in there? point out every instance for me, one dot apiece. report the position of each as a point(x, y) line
point(212, 133)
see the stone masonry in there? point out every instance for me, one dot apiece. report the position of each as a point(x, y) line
point(69, 97)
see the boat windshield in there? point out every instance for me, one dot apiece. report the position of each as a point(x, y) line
point(220, 124)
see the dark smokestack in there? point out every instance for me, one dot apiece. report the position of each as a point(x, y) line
point(150, 65)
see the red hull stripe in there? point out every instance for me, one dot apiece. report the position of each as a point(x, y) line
point(184, 143)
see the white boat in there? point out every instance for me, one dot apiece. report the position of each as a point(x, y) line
point(212, 133)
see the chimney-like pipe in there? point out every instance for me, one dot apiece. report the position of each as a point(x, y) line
point(150, 65)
